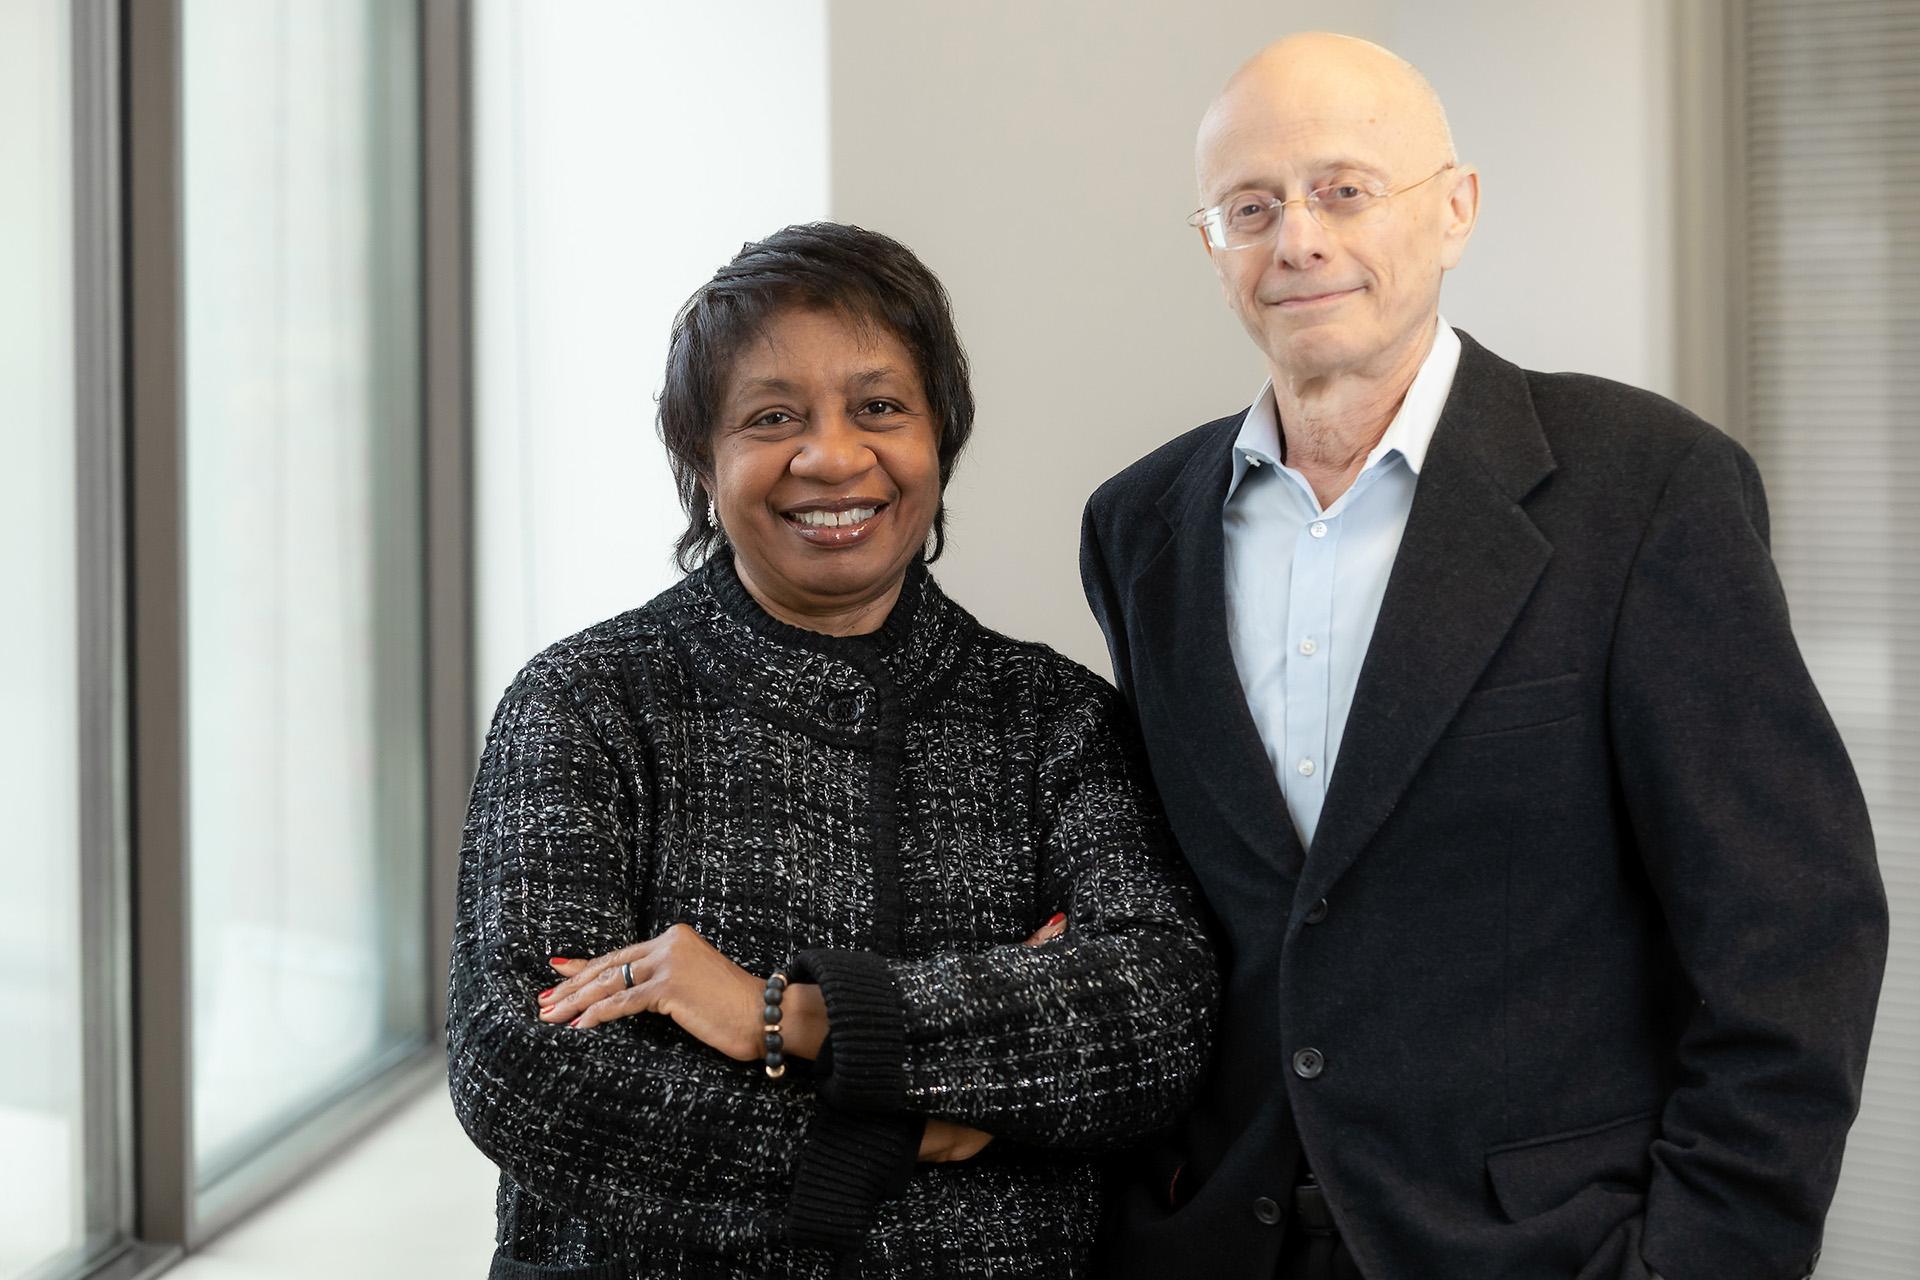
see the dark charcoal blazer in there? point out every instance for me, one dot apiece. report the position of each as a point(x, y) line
point(1578, 975)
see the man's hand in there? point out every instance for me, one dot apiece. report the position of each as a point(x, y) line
point(682, 975)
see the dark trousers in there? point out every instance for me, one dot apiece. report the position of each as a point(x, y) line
point(1313, 1249)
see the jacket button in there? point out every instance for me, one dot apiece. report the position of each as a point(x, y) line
point(1317, 912)
point(1308, 1064)
point(1266, 1210)
point(844, 709)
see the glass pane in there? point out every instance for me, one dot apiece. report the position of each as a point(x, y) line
point(42, 1120)
point(305, 714)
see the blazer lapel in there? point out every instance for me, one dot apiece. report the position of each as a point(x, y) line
point(1180, 596)
point(1467, 563)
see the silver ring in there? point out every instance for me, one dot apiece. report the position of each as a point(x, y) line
point(626, 972)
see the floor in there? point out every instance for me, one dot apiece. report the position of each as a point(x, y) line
point(413, 1198)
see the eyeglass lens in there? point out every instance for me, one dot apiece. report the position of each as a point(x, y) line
point(1252, 216)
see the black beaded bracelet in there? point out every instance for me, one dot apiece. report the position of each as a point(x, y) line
point(776, 991)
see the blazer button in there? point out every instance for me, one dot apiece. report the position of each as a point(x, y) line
point(1316, 913)
point(1267, 1211)
point(844, 709)
point(1308, 1064)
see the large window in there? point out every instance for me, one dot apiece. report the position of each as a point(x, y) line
point(232, 777)
point(304, 558)
point(65, 1178)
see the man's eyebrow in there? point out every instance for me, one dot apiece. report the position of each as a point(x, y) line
point(1322, 165)
point(1351, 162)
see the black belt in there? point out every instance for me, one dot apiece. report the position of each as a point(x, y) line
point(1310, 1212)
point(1313, 1248)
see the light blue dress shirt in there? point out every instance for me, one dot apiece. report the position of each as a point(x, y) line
point(1304, 584)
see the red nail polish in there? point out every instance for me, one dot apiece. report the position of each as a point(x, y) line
point(549, 991)
point(557, 961)
point(576, 1021)
point(1059, 917)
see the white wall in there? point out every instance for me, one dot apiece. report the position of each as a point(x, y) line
point(1568, 112)
point(623, 152)
point(958, 127)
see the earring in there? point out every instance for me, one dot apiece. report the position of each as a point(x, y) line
point(932, 545)
point(713, 514)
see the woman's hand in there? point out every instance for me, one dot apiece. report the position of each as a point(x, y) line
point(944, 1140)
point(683, 976)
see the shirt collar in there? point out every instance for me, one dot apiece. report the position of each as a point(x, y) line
point(1409, 434)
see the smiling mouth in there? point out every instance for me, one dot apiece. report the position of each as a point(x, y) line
point(836, 524)
point(1313, 299)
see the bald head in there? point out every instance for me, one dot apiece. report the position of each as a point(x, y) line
point(1346, 290)
point(1319, 83)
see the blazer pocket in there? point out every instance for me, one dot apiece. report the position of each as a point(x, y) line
point(1538, 1174)
point(1526, 705)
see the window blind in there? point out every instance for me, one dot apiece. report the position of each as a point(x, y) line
point(1832, 332)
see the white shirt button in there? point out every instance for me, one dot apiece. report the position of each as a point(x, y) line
point(1308, 647)
point(1318, 528)
point(1306, 768)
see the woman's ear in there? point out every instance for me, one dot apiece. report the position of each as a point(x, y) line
point(704, 495)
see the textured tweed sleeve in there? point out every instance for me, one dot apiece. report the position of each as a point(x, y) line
point(633, 1121)
point(1087, 1041)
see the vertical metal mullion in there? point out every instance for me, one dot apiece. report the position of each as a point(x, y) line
point(106, 923)
point(156, 560)
point(1733, 252)
point(1705, 199)
point(446, 389)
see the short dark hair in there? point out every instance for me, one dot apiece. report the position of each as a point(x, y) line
point(869, 277)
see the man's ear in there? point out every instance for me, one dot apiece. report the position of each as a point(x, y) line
point(1458, 218)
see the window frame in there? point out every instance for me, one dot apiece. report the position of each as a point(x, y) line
point(141, 1182)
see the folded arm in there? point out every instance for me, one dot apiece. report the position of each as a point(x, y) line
point(1085, 1041)
point(634, 1120)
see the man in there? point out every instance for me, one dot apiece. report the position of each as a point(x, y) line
point(1548, 897)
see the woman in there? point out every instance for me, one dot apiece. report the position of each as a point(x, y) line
point(806, 760)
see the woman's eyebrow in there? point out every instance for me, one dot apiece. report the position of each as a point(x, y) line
point(779, 386)
point(868, 377)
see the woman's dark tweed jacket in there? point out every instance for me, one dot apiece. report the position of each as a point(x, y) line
point(904, 808)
